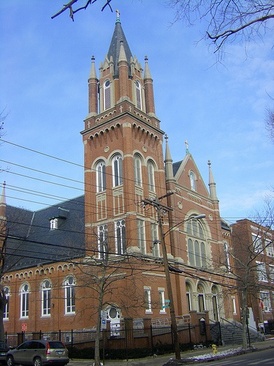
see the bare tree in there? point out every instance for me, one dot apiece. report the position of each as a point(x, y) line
point(227, 19)
point(74, 9)
point(270, 124)
point(3, 299)
point(108, 277)
point(252, 244)
point(3, 116)
point(3, 239)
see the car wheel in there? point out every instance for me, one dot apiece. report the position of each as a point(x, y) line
point(10, 361)
point(37, 361)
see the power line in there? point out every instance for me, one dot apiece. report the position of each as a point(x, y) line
point(55, 175)
point(41, 153)
point(42, 172)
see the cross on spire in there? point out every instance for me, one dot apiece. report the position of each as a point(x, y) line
point(117, 15)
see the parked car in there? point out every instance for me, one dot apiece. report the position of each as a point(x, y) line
point(38, 353)
point(3, 352)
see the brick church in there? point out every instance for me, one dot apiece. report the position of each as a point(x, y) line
point(102, 253)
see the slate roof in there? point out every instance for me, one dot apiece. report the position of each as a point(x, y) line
point(114, 48)
point(176, 166)
point(31, 242)
point(225, 225)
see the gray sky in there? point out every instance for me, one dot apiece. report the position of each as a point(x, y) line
point(218, 107)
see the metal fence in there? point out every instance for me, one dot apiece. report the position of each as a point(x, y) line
point(138, 340)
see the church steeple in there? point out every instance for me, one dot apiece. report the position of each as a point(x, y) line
point(122, 79)
point(115, 44)
point(123, 146)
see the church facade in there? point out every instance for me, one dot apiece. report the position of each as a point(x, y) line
point(101, 254)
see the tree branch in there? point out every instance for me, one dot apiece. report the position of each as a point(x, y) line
point(229, 32)
point(72, 12)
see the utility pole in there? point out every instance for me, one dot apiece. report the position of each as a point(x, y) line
point(161, 209)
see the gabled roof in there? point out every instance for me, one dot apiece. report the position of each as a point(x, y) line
point(30, 241)
point(114, 48)
point(180, 171)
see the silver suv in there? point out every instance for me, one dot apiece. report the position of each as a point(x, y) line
point(38, 353)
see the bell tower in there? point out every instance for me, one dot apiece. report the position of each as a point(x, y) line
point(123, 154)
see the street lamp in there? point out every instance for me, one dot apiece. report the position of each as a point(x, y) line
point(168, 279)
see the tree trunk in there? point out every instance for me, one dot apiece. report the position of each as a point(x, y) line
point(97, 341)
point(3, 302)
point(98, 327)
point(244, 320)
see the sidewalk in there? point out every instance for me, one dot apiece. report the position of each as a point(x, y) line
point(161, 360)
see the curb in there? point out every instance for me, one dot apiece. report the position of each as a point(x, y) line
point(191, 360)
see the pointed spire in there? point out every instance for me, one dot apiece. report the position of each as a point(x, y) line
point(168, 161)
point(147, 74)
point(212, 184)
point(187, 147)
point(122, 53)
point(92, 87)
point(149, 92)
point(92, 74)
point(114, 48)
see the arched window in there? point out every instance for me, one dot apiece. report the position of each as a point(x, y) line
point(162, 299)
point(215, 309)
point(192, 179)
point(147, 299)
point(155, 240)
point(24, 301)
point(191, 256)
point(7, 304)
point(189, 296)
point(201, 298)
point(151, 176)
point(120, 236)
point(46, 298)
point(107, 95)
point(197, 254)
point(117, 170)
point(102, 241)
point(137, 170)
point(227, 258)
point(141, 235)
point(101, 176)
point(53, 223)
point(203, 254)
point(69, 285)
point(138, 94)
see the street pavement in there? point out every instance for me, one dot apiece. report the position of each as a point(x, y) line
point(161, 360)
